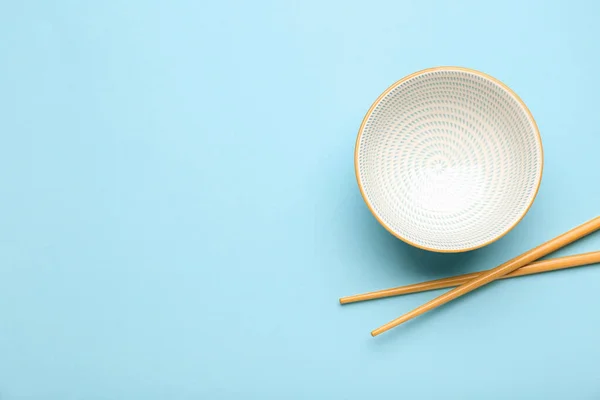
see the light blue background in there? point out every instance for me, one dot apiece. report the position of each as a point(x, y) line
point(179, 214)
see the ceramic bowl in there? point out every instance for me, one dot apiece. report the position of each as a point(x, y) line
point(449, 159)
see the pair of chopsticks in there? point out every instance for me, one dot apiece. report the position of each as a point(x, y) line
point(518, 266)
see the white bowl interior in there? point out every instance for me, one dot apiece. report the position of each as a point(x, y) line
point(449, 160)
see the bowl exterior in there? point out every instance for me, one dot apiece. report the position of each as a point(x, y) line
point(382, 96)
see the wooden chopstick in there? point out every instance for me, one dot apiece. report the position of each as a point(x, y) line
point(533, 268)
point(496, 273)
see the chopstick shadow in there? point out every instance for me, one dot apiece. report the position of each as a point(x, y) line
point(411, 328)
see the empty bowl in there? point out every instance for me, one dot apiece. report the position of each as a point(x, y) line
point(448, 159)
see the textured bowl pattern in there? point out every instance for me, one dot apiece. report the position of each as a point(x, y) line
point(449, 159)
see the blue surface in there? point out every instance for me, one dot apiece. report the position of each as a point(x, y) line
point(179, 213)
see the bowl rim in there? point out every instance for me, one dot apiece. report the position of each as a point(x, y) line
point(413, 75)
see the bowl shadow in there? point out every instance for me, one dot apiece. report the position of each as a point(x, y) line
point(414, 263)
point(400, 260)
